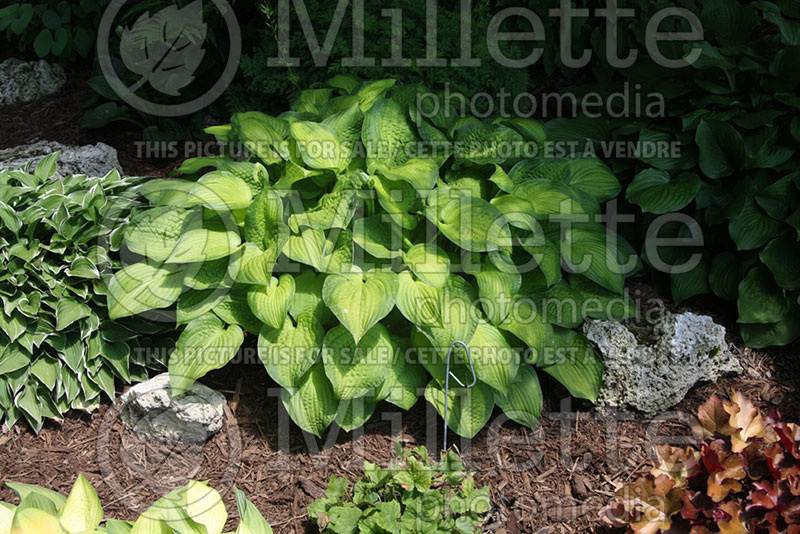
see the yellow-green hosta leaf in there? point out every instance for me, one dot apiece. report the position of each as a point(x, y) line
point(354, 413)
point(357, 369)
point(150, 522)
point(523, 402)
point(420, 173)
point(206, 344)
point(261, 134)
point(167, 192)
point(204, 505)
point(550, 198)
point(250, 519)
point(403, 382)
point(24, 490)
point(288, 352)
point(220, 191)
point(82, 512)
point(595, 254)
point(360, 300)
point(319, 146)
point(483, 143)
point(379, 235)
point(469, 222)
point(429, 263)
point(114, 526)
point(263, 224)
point(386, 135)
point(468, 409)
point(497, 288)
point(271, 303)
point(155, 233)
point(327, 254)
point(371, 92)
point(571, 359)
point(495, 362)
point(525, 321)
point(419, 302)
point(6, 517)
point(459, 315)
point(206, 244)
point(142, 287)
point(519, 212)
point(308, 297)
point(34, 521)
point(312, 405)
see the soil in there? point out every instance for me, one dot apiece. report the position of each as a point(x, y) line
point(553, 479)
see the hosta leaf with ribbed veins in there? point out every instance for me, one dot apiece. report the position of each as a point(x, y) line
point(468, 409)
point(654, 191)
point(142, 287)
point(271, 303)
point(523, 402)
point(289, 351)
point(360, 300)
point(357, 369)
point(312, 404)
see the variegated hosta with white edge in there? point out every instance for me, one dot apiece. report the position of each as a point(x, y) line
point(60, 238)
point(193, 509)
point(350, 251)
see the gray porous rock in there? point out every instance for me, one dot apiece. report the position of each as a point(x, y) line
point(653, 372)
point(91, 160)
point(26, 81)
point(193, 418)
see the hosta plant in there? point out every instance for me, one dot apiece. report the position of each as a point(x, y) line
point(193, 509)
point(359, 240)
point(742, 477)
point(413, 494)
point(58, 349)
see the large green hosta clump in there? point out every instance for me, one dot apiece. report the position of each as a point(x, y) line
point(58, 349)
point(359, 261)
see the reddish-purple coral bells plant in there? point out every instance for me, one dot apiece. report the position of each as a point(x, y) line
point(743, 477)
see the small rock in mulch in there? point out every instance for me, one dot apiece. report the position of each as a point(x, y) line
point(26, 81)
point(194, 417)
point(91, 160)
point(651, 369)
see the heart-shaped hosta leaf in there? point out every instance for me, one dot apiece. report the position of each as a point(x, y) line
point(418, 301)
point(654, 191)
point(571, 359)
point(386, 135)
point(357, 369)
point(483, 143)
point(331, 254)
point(497, 289)
point(495, 362)
point(220, 191)
point(591, 253)
point(155, 233)
point(263, 224)
point(312, 405)
point(271, 303)
point(142, 287)
point(469, 222)
point(422, 174)
point(526, 322)
point(319, 146)
point(468, 409)
point(360, 300)
point(82, 511)
point(523, 402)
point(354, 413)
point(379, 236)
point(429, 263)
point(459, 315)
point(288, 352)
point(206, 344)
point(760, 298)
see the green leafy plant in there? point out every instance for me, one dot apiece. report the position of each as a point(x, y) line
point(58, 241)
point(742, 477)
point(193, 509)
point(734, 115)
point(413, 494)
point(56, 29)
point(359, 263)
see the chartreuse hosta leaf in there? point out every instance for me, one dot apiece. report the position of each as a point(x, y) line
point(142, 287)
point(495, 362)
point(386, 135)
point(459, 315)
point(497, 287)
point(523, 401)
point(483, 143)
point(82, 512)
point(312, 405)
point(354, 413)
point(378, 236)
point(429, 263)
point(220, 191)
point(593, 253)
point(468, 409)
point(250, 519)
point(419, 302)
point(206, 344)
point(571, 359)
point(271, 303)
point(360, 299)
point(319, 146)
point(357, 369)
point(289, 351)
point(469, 222)
point(331, 253)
